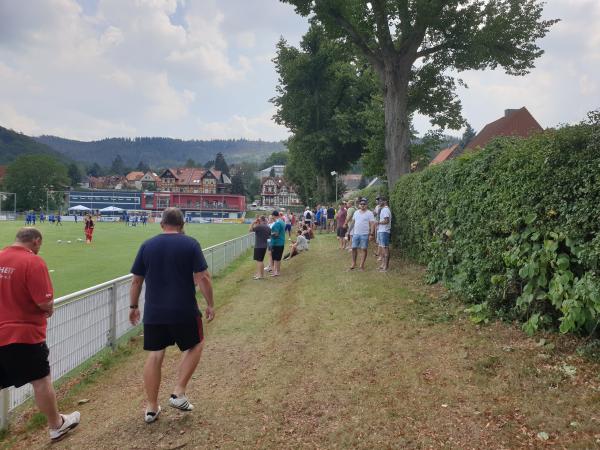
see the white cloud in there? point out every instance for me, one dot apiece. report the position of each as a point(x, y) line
point(244, 127)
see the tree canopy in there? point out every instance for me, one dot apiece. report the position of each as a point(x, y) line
point(32, 176)
point(221, 164)
point(414, 45)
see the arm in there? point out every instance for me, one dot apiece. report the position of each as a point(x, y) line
point(134, 298)
point(203, 283)
point(48, 307)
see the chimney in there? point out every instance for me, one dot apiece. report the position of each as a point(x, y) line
point(508, 112)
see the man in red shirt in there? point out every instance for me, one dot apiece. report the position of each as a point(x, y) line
point(26, 301)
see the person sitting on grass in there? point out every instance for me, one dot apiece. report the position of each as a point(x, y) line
point(307, 232)
point(299, 245)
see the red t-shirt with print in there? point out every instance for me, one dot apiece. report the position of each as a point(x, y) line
point(24, 283)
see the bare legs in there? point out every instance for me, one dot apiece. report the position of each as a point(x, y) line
point(260, 269)
point(45, 399)
point(152, 373)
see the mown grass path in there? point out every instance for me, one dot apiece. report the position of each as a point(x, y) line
point(323, 358)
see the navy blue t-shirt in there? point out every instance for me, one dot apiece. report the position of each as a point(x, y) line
point(168, 263)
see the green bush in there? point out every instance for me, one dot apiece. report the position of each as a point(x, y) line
point(513, 229)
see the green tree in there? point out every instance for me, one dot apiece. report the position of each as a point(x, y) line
point(237, 185)
point(322, 90)
point(32, 176)
point(74, 174)
point(275, 158)
point(209, 164)
point(142, 167)
point(467, 136)
point(118, 166)
point(363, 183)
point(221, 164)
point(272, 172)
point(413, 44)
point(190, 163)
point(95, 170)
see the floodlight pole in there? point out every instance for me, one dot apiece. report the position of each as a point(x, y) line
point(335, 174)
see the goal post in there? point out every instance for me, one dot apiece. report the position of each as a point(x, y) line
point(8, 206)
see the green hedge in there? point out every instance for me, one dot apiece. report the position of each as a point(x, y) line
point(512, 229)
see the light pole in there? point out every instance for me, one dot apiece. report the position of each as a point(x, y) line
point(335, 174)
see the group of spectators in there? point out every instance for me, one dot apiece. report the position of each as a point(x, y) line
point(270, 237)
point(361, 225)
point(355, 227)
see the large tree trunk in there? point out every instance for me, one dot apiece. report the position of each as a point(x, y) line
point(397, 123)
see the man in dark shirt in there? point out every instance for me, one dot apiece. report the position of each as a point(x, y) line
point(262, 232)
point(330, 219)
point(172, 264)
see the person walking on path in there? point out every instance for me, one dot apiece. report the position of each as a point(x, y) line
point(26, 302)
point(277, 243)
point(88, 229)
point(384, 230)
point(262, 233)
point(364, 230)
point(172, 265)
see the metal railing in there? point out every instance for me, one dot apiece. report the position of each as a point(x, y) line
point(90, 320)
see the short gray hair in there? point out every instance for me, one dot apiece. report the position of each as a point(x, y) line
point(28, 234)
point(172, 217)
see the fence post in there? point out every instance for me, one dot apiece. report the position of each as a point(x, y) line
point(112, 340)
point(4, 403)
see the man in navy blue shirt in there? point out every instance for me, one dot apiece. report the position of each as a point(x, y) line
point(172, 265)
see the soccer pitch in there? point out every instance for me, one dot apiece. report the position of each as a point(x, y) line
point(77, 266)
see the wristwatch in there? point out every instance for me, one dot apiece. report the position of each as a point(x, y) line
point(133, 306)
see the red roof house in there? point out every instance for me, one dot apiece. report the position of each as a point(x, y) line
point(446, 154)
point(516, 122)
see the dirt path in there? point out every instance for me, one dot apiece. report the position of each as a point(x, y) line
point(323, 358)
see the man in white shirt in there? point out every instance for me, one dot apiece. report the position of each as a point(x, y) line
point(384, 230)
point(364, 229)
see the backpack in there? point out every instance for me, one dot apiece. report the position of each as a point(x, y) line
point(308, 215)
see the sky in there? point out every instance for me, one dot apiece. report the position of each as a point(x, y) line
point(202, 69)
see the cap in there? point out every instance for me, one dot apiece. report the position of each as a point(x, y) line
point(275, 213)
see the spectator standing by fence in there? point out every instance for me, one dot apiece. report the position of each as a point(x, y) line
point(172, 265)
point(277, 243)
point(262, 232)
point(26, 301)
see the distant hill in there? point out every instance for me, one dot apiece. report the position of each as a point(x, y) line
point(160, 152)
point(13, 145)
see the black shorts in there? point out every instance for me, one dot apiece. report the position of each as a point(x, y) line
point(185, 335)
point(277, 252)
point(259, 254)
point(23, 363)
point(341, 232)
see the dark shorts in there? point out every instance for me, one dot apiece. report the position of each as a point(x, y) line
point(341, 232)
point(185, 335)
point(23, 363)
point(259, 254)
point(288, 227)
point(277, 252)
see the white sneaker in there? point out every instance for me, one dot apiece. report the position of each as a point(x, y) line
point(70, 421)
point(151, 416)
point(180, 403)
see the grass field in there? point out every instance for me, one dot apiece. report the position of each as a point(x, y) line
point(77, 266)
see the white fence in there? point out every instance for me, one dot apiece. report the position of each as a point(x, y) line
point(88, 321)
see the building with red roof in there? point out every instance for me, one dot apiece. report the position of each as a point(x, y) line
point(446, 154)
point(194, 180)
point(516, 122)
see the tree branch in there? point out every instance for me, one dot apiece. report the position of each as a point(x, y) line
point(431, 50)
point(383, 27)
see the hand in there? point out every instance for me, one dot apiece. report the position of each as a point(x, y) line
point(210, 313)
point(134, 316)
point(48, 314)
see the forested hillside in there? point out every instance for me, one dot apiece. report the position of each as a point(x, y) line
point(13, 144)
point(160, 152)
